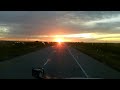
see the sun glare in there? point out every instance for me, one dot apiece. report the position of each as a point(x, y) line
point(59, 40)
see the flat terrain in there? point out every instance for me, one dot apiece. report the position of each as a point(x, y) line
point(106, 53)
point(11, 49)
point(61, 61)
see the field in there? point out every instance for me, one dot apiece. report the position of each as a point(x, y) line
point(11, 49)
point(107, 53)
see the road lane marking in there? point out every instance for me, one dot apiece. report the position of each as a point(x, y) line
point(78, 63)
point(46, 62)
point(48, 58)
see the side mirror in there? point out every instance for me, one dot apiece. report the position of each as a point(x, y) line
point(38, 73)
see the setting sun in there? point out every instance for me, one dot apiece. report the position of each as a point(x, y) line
point(59, 40)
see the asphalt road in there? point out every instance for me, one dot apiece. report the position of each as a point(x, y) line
point(59, 61)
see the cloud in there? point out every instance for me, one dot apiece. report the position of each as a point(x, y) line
point(38, 24)
point(105, 20)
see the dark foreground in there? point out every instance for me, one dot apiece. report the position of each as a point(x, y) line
point(60, 61)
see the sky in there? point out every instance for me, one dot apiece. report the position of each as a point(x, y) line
point(73, 26)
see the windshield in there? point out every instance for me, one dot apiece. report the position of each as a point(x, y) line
point(65, 44)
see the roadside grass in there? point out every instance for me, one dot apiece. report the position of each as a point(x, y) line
point(107, 53)
point(11, 49)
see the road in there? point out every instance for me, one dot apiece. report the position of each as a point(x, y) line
point(59, 61)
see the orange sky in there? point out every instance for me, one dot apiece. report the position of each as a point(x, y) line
point(82, 37)
point(72, 26)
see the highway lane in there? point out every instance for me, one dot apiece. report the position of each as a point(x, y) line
point(59, 61)
point(61, 64)
point(21, 67)
point(94, 68)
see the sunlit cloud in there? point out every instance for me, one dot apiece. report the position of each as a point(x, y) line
point(116, 28)
point(83, 35)
point(89, 36)
point(4, 29)
point(107, 19)
point(68, 25)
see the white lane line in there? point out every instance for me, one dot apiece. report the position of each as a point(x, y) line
point(46, 62)
point(78, 64)
point(48, 59)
